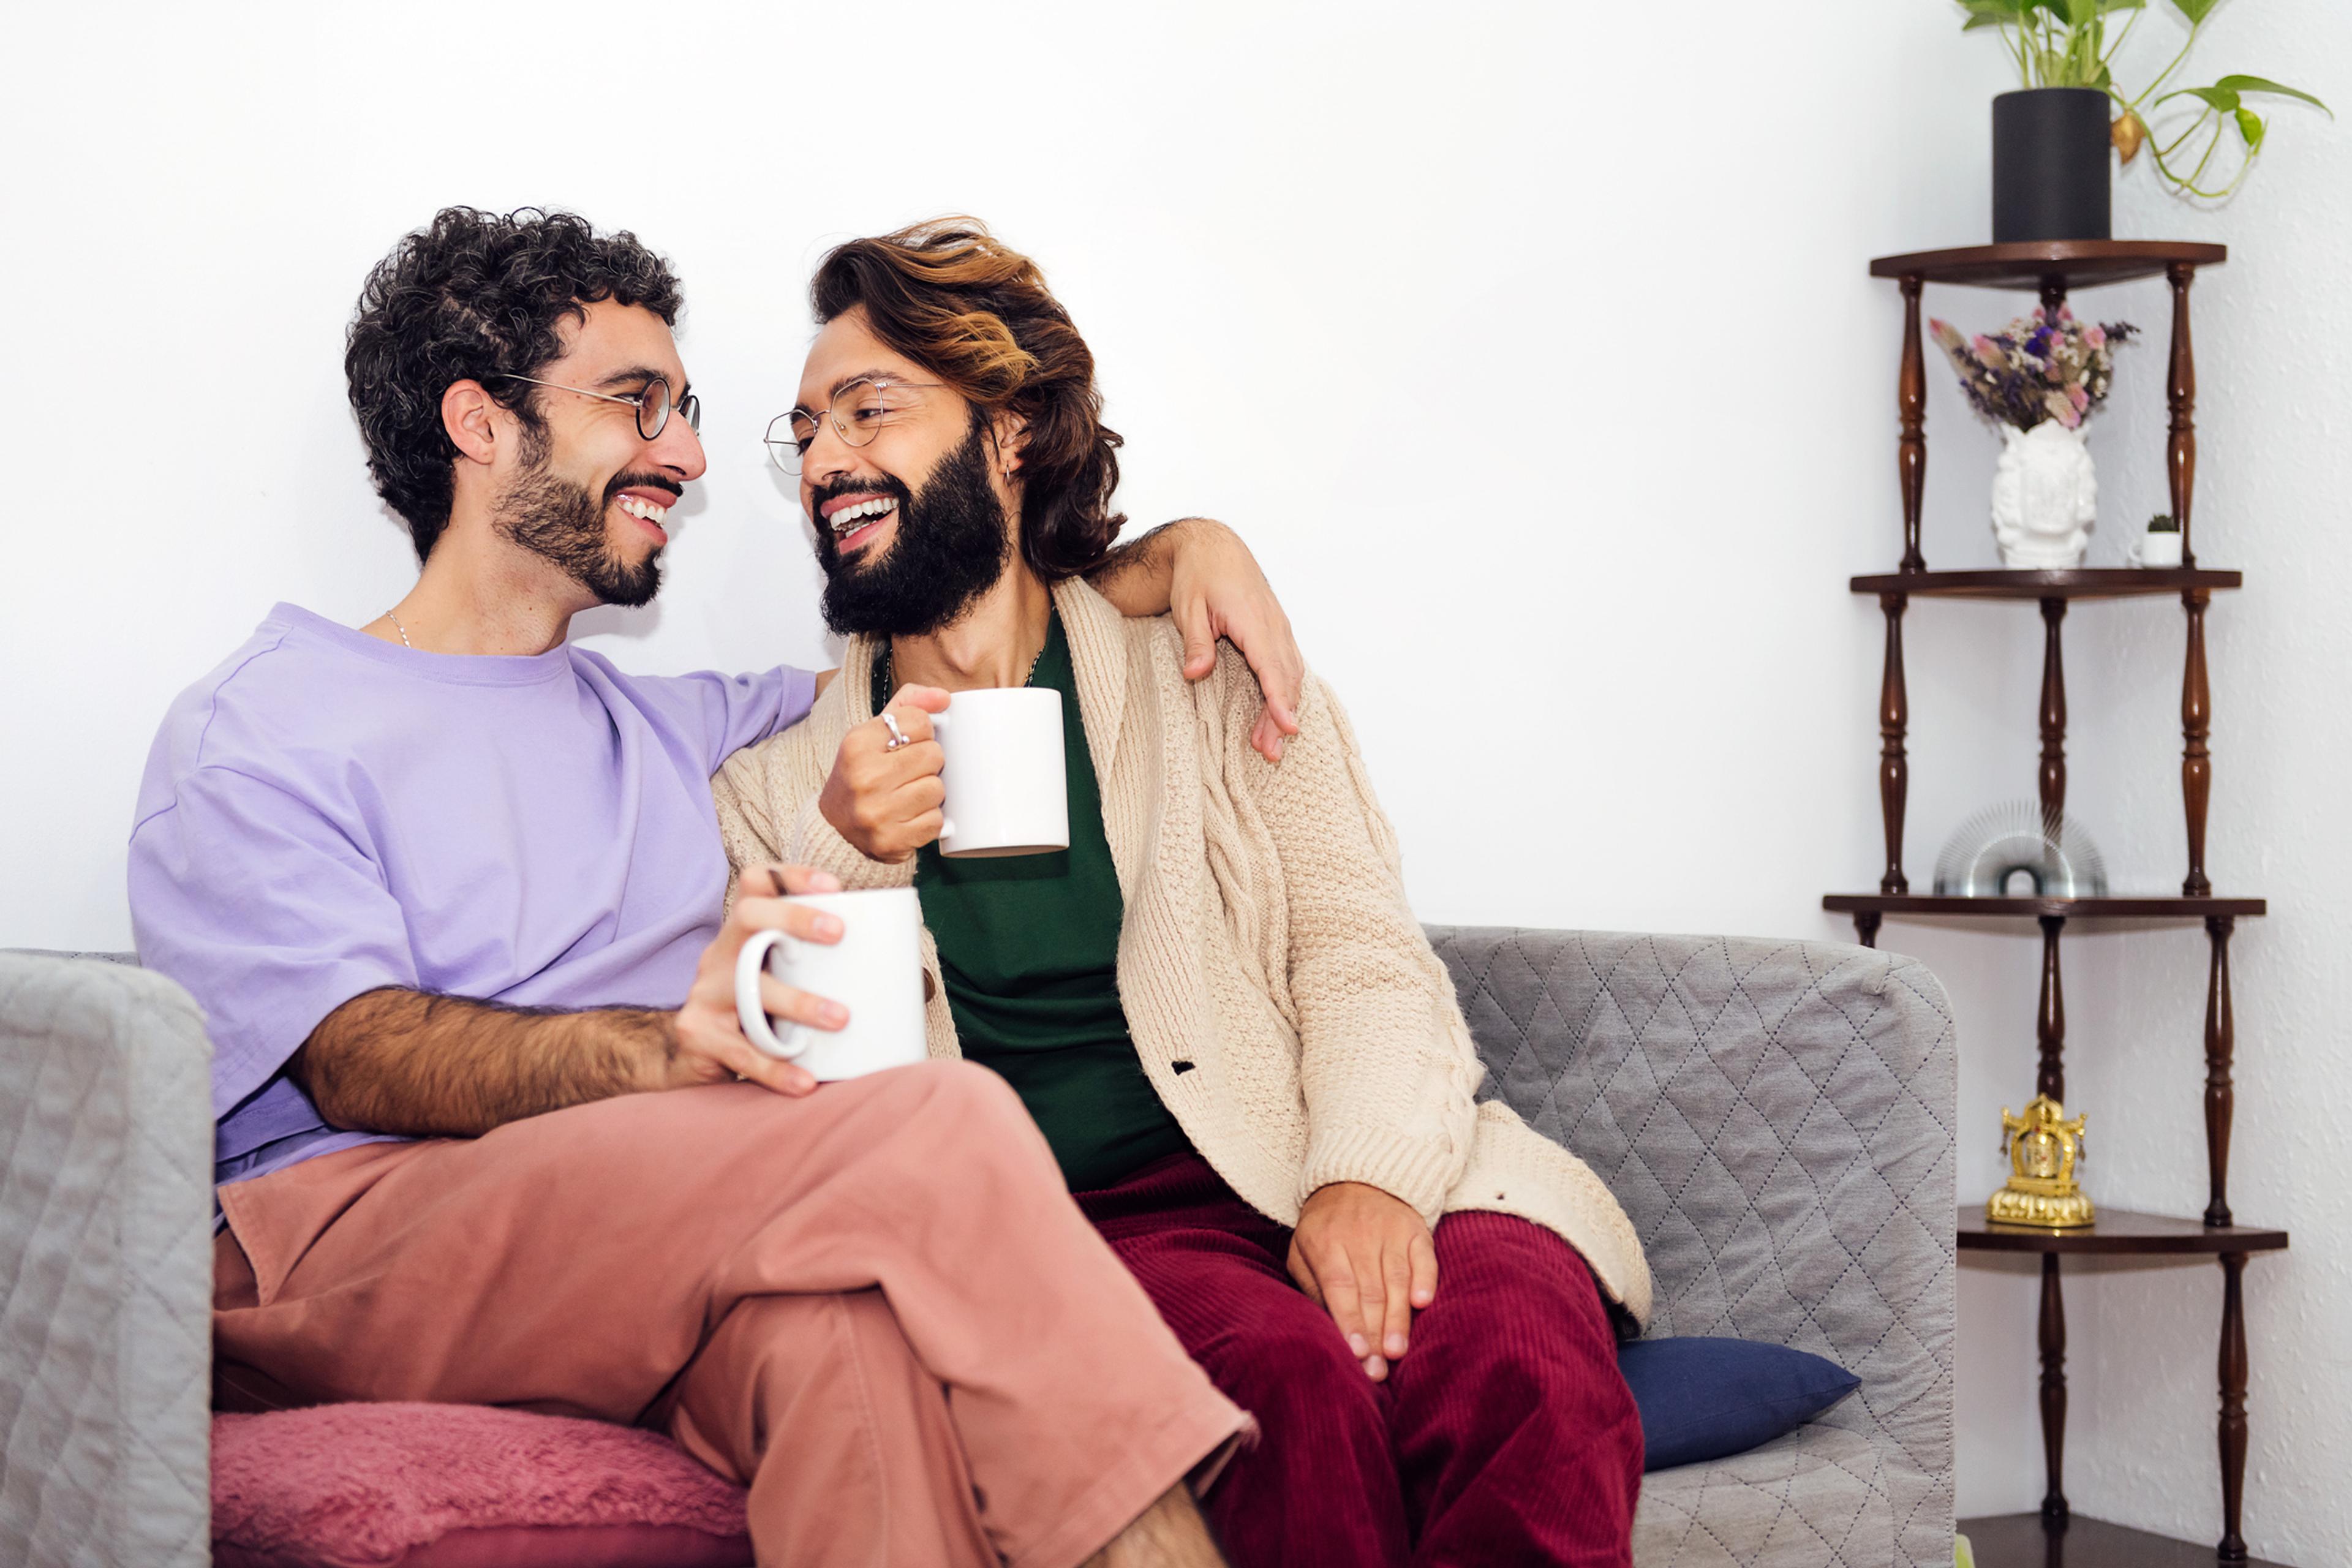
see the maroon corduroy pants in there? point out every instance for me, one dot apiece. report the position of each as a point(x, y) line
point(1505, 1434)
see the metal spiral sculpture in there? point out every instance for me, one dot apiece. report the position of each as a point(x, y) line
point(2001, 841)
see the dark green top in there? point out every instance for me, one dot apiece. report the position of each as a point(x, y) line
point(1029, 949)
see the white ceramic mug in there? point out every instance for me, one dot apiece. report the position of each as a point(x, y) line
point(875, 971)
point(2156, 551)
point(1007, 792)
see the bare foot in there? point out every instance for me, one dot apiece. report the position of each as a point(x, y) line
point(1170, 1534)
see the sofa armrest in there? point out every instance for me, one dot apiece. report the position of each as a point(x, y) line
point(1776, 1117)
point(105, 1249)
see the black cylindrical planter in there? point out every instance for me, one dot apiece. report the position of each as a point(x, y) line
point(2050, 178)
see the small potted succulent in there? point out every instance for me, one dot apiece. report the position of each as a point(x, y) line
point(2040, 379)
point(2160, 547)
point(2050, 139)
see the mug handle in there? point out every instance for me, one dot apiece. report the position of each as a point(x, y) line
point(947, 824)
point(750, 964)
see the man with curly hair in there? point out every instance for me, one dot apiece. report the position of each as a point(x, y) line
point(450, 890)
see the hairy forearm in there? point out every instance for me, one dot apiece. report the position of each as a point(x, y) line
point(403, 1061)
point(1137, 576)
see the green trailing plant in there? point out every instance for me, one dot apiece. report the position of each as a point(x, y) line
point(2069, 43)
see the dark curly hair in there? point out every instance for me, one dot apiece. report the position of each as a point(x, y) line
point(476, 296)
point(976, 313)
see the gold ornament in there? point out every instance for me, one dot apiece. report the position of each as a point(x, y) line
point(2042, 1147)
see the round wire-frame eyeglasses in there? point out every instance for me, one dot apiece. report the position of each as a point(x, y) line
point(791, 434)
point(653, 405)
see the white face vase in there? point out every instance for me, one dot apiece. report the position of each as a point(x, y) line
point(2045, 497)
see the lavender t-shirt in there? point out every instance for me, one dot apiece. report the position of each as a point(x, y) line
point(326, 814)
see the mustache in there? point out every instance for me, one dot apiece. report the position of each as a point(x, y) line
point(643, 483)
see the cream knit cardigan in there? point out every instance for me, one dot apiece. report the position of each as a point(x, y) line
point(1284, 1002)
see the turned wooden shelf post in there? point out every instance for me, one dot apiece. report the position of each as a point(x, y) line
point(2196, 731)
point(2053, 714)
point(2233, 1545)
point(2050, 1022)
point(2221, 1049)
point(2180, 395)
point(2054, 1395)
point(1893, 766)
point(1911, 408)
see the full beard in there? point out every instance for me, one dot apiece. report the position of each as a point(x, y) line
point(562, 523)
point(948, 546)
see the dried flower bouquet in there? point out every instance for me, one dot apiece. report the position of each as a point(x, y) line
point(2037, 368)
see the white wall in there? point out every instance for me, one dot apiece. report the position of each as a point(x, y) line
point(1530, 345)
point(1558, 430)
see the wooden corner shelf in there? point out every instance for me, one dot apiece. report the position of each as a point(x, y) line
point(2110, 907)
point(2121, 1233)
point(2070, 263)
point(2082, 583)
point(2118, 1233)
point(2029, 1541)
point(2051, 269)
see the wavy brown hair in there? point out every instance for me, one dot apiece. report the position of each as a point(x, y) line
point(976, 313)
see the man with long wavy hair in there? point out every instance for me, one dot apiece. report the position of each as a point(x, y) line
point(1215, 1003)
point(449, 891)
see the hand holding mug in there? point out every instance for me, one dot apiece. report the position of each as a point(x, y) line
point(708, 1032)
point(1006, 792)
point(876, 966)
point(884, 794)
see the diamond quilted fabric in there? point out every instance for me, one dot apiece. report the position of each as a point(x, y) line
point(106, 1249)
point(1775, 1117)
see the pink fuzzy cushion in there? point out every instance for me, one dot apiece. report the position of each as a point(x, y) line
point(462, 1485)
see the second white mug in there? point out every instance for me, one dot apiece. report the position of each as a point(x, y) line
point(875, 971)
point(1006, 791)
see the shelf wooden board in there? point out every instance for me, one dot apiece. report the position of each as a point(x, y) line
point(2124, 907)
point(2077, 263)
point(2117, 1232)
point(2020, 1541)
point(2082, 583)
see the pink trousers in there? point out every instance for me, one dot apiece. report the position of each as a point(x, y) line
point(1505, 1434)
point(877, 1306)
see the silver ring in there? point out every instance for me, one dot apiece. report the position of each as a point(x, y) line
point(897, 737)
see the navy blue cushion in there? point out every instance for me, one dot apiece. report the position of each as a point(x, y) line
point(1706, 1399)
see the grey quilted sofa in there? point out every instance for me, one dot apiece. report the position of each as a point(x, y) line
point(1774, 1115)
